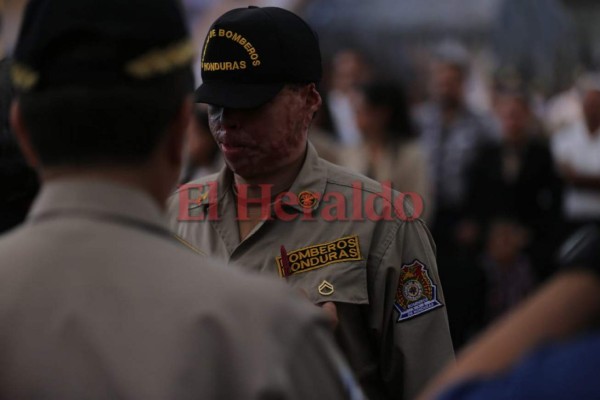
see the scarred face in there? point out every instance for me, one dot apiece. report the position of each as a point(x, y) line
point(256, 142)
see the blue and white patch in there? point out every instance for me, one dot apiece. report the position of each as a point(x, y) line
point(416, 293)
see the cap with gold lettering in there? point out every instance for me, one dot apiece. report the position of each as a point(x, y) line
point(249, 54)
point(99, 42)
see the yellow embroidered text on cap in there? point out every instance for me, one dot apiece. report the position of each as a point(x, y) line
point(239, 39)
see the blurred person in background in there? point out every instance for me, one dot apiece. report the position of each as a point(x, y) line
point(390, 149)
point(334, 127)
point(515, 178)
point(98, 300)
point(202, 155)
point(561, 110)
point(508, 271)
point(451, 133)
point(491, 283)
point(576, 151)
point(349, 70)
point(11, 12)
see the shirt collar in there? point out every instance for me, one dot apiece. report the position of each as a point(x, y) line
point(309, 184)
point(311, 181)
point(99, 197)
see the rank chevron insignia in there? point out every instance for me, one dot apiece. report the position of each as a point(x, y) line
point(326, 288)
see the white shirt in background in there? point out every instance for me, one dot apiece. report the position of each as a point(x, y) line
point(574, 146)
point(344, 118)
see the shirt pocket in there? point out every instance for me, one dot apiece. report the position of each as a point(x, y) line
point(341, 282)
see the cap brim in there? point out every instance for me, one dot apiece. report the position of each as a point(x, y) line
point(236, 95)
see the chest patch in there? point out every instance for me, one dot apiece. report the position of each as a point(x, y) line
point(416, 293)
point(318, 256)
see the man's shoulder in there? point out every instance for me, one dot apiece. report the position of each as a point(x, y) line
point(13, 240)
point(348, 180)
point(184, 274)
point(351, 185)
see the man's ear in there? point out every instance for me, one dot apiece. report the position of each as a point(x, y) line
point(22, 134)
point(313, 103)
point(313, 98)
point(177, 131)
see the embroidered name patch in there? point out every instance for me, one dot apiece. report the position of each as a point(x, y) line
point(318, 256)
point(416, 293)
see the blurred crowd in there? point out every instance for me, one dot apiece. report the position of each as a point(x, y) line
point(502, 184)
point(501, 189)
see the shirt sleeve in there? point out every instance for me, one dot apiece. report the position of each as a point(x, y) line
point(408, 310)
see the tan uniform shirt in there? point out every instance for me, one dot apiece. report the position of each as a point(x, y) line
point(98, 301)
point(382, 275)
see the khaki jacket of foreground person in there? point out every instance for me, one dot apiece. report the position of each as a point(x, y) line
point(99, 301)
point(382, 275)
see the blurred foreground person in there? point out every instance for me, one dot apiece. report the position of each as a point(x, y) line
point(97, 299)
point(278, 209)
point(549, 348)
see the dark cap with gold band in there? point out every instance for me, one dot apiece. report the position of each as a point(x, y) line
point(249, 54)
point(99, 43)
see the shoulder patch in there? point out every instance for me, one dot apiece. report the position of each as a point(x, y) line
point(416, 293)
point(318, 256)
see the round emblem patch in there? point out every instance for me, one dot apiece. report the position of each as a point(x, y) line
point(307, 199)
point(412, 290)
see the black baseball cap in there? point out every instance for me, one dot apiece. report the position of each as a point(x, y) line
point(99, 43)
point(249, 54)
